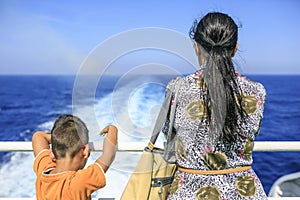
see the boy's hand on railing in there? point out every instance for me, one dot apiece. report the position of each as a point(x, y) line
point(104, 131)
point(111, 133)
point(109, 146)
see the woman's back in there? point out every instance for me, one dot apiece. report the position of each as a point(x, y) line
point(194, 150)
point(218, 113)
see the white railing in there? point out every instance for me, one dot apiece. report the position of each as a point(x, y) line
point(270, 198)
point(269, 146)
point(266, 146)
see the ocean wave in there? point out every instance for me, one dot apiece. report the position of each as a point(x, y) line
point(17, 177)
point(132, 105)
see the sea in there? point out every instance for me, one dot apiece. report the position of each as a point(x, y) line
point(29, 103)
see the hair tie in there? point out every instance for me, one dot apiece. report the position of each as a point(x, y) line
point(217, 47)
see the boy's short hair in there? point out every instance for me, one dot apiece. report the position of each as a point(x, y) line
point(68, 135)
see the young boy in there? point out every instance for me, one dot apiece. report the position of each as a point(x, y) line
point(59, 170)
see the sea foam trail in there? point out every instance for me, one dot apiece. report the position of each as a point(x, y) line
point(137, 106)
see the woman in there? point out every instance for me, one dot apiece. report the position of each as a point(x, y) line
point(218, 114)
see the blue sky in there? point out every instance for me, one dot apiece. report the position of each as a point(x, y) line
point(54, 37)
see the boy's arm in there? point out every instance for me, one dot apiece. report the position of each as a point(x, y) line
point(109, 147)
point(40, 141)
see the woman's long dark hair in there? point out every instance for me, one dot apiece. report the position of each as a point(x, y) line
point(217, 34)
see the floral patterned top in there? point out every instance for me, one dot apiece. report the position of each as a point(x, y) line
point(191, 126)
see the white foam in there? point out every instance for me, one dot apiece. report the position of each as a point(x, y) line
point(24, 134)
point(132, 109)
point(46, 126)
point(17, 176)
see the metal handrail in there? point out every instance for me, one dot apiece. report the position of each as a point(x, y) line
point(269, 198)
point(260, 146)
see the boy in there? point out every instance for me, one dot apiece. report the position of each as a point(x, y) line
point(59, 170)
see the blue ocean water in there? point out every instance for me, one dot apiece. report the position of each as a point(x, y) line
point(31, 103)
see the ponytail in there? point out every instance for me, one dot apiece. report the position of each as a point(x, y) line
point(216, 35)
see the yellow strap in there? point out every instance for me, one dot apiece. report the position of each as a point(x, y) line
point(214, 172)
point(150, 145)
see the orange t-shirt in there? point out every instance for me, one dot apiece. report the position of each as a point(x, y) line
point(73, 185)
